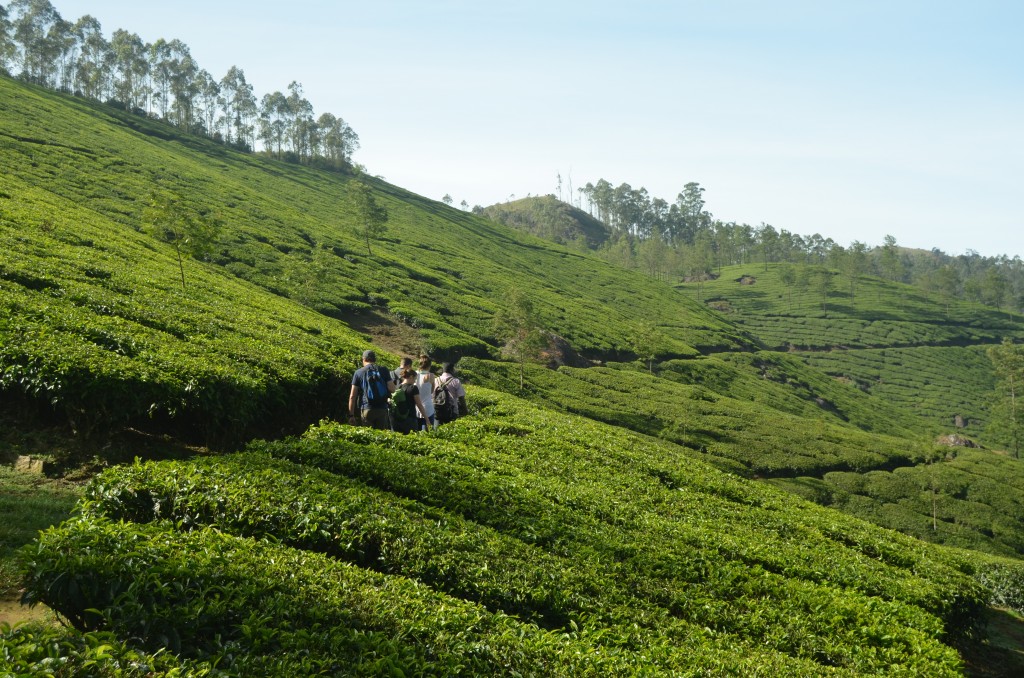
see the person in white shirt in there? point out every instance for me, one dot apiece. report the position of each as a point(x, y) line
point(427, 382)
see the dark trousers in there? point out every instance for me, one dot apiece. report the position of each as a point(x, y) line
point(377, 418)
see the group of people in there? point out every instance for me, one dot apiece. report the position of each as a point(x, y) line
point(405, 399)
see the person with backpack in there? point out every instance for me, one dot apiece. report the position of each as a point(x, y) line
point(368, 398)
point(406, 402)
point(426, 380)
point(450, 396)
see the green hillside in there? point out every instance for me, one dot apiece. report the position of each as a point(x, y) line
point(916, 357)
point(918, 352)
point(611, 553)
point(550, 219)
point(287, 263)
point(610, 518)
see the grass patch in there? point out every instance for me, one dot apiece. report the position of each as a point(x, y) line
point(29, 503)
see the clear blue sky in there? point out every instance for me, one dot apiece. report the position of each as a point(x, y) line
point(850, 119)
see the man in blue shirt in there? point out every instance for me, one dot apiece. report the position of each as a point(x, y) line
point(368, 399)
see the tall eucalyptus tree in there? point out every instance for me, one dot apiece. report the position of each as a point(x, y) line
point(691, 208)
point(93, 66)
point(37, 26)
point(274, 121)
point(239, 108)
point(161, 70)
point(130, 69)
point(7, 46)
point(337, 140)
point(184, 85)
point(301, 127)
point(208, 93)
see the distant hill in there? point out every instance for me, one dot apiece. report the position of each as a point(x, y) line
point(619, 514)
point(549, 218)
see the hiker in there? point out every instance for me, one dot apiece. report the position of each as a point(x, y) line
point(396, 374)
point(426, 380)
point(454, 405)
point(371, 388)
point(406, 402)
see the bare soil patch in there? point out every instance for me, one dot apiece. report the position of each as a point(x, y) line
point(13, 612)
point(387, 332)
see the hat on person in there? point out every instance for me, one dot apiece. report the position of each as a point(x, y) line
point(369, 356)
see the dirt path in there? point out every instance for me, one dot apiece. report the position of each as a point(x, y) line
point(12, 612)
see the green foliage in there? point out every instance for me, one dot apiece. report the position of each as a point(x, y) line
point(1008, 416)
point(191, 235)
point(896, 343)
point(551, 219)
point(92, 326)
point(384, 548)
point(738, 431)
point(518, 328)
point(519, 540)
point(1004, 577)
point(647, 342)
point(971, 499)
point(824, 440)
point(41, 650)
point(28, 503)
point(370, 217)
point(936, 383)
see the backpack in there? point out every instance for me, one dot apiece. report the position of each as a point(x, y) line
point(375, 387)
point(444, 404)
point(401, 406)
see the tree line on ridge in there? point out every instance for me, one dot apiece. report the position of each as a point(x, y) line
point(162, 80)
point(681, 238)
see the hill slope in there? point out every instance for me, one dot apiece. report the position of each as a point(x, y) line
point(595, 540)
point(918, 352)
point(287, 264)
point(550, 219)
point(260, 340)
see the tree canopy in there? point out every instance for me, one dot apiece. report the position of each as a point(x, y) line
point(162, 79)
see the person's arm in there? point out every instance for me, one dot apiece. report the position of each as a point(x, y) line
point(353, 399)
point(420, 407)
point(460, 396)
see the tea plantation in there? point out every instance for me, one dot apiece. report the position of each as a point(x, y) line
point(608, 518)
point(516, 540)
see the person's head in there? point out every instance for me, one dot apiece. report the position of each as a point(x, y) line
point(369, 357)
point(406, 363)
point(448, 368)
point(409, 374)
point(425, 362)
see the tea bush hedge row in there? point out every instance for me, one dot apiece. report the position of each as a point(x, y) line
point(966, 498)
point(95, 341)
point(613, 553)
point(39, 649)
point(880, 314)
point(749, 435)
point(936, 383)
point(246, 605)
point(474, 492)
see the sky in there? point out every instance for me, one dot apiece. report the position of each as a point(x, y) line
point(855, 120)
